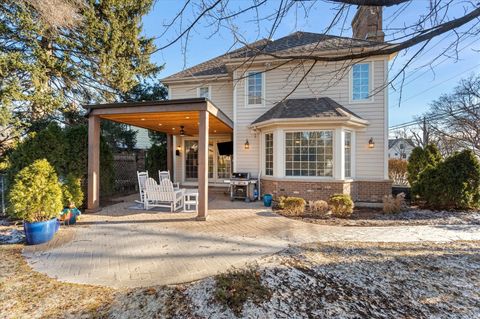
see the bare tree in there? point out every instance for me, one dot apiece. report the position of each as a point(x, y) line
point(454, 119)
point(454, 24)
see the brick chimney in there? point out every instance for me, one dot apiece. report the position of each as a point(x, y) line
point(367, 23)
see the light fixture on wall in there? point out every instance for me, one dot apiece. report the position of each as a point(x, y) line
point(247, 145)
point(182, 131)
point(177, 151)
point(371, 143)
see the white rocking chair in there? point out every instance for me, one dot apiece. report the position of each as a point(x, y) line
point(166, 175)
point(142, 177)
point(162, 195)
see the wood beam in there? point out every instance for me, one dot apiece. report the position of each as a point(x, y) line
point(203, 166)
point(93, 203)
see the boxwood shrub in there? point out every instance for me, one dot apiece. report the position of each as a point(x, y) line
point(341, 205)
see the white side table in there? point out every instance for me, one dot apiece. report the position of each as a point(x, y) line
point(190, 200)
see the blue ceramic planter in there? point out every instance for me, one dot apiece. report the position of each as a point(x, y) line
point(267, 200)
point(40, 232)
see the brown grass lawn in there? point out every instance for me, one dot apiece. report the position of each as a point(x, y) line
point(26, 293)
point(338, 279)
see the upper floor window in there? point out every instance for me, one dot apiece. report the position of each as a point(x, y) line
point(361, 82)
point(204, 92)
point(255, 88)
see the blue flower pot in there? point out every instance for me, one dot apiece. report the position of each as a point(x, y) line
point(267, 200)
point(40, 232)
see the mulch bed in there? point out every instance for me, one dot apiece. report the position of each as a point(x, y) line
point(363, 216)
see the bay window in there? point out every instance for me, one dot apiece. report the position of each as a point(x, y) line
point(269, 154)
point(309, 153)
point(348, 154)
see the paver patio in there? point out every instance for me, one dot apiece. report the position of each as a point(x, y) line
point(124, 247)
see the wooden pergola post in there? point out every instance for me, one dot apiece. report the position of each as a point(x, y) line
point(170, 154)
point(203, 165)
point(93, 203)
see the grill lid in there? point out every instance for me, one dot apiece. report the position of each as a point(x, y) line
point(241, 175)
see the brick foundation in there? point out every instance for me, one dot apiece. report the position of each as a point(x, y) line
point(367, 191)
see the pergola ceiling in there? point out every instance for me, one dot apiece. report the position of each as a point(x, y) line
point(170, 122)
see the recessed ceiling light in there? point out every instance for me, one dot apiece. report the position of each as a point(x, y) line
point(187, 117)
point(173, 128)
point(214, 131)
point(159, 124)
point(143, 119)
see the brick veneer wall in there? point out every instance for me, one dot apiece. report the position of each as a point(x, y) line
point(369, 191)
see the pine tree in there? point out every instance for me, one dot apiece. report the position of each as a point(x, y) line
point(50, 70)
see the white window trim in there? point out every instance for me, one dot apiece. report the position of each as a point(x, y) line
point(263, 73)
point(334, 156)
point(371, 80)
point(351, 154)
point(264, 153)
point(209, 91)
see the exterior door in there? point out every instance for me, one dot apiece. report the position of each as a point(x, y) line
point(219, 166)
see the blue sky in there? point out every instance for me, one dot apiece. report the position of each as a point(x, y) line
point(421, 86)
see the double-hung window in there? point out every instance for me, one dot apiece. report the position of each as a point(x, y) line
point(269, 154)
point(255, 88)
point(361, 82)
point(309, 153)
point(204, 92)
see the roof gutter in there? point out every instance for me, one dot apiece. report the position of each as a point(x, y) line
point(345, 120)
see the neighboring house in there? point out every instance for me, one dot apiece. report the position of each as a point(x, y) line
point(400, 148)
point(329, 136)
point(143, 140)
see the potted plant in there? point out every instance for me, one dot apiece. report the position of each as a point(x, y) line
point(72, 197)
point(36, 197)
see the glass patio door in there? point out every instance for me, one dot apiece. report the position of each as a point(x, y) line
point(219, 166)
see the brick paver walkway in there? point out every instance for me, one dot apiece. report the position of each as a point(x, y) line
point(121, 247)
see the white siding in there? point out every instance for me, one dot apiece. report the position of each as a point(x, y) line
point(370, 163)
point(221, 94)
point(323, 81)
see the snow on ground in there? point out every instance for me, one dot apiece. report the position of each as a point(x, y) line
point(11, 236)
point(355, 280)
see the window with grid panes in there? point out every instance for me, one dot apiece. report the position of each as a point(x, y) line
point(361, 82)
point(309, 153)
point(255, 88)
point(269, 154)
point(348, 154)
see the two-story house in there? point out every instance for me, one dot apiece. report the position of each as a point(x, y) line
point(329, 135)
point(400, 148)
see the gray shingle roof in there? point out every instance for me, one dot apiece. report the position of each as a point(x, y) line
point(295, 43)
point(392, 141)
point(306, 108)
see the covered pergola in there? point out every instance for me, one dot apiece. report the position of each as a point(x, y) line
point(195, 116)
